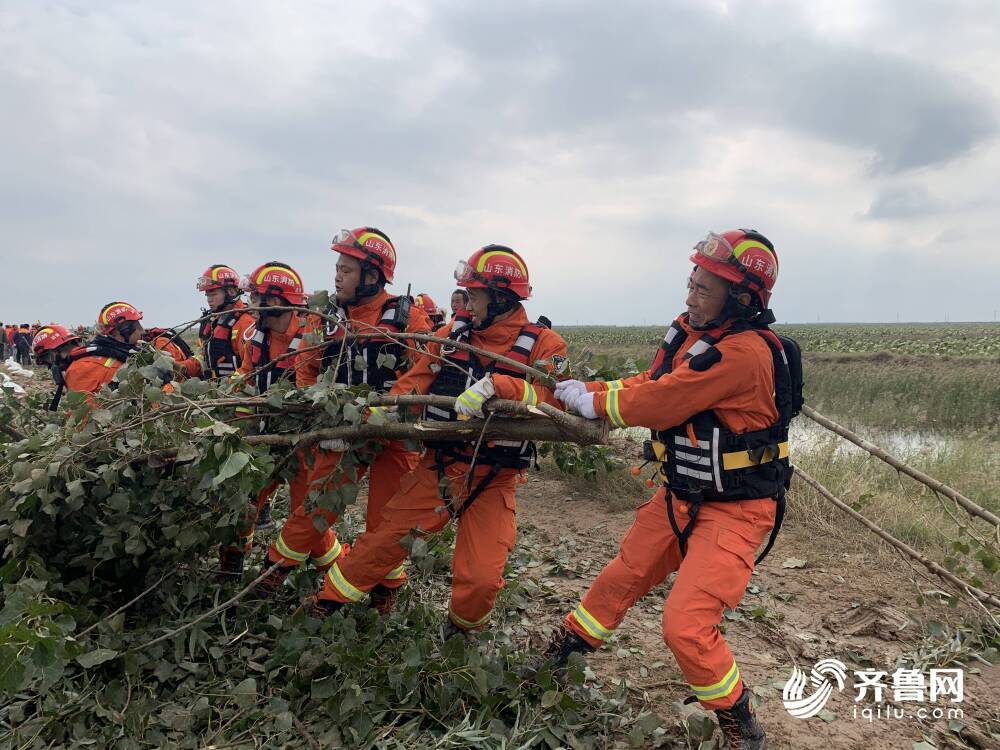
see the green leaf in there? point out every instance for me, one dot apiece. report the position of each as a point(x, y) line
point(550, 698)
point(95, 657)
point(233, 466)
point(246, 693)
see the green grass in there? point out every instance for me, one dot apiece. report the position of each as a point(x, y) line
point(892, 391)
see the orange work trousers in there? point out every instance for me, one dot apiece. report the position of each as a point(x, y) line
point(712, 575)
point(486, 533)
point(248, 525)
point(300, 538)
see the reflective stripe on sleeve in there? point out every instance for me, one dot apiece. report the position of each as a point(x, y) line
point(530, 395)
point(611, 409)
point(614, 385)
point(396, 573)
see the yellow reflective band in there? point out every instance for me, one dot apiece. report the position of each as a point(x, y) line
point(611, 408)
point(471, 399)
point(743, 460)
point(285, 551)
point(396, 573)
point(614, 385)
point(468, 624)
point(507, 256)
point(720, 689)
point(589, 623)
point(530, 396)
point(337, 580)
point(332, 554)
point(280, 269)
point(742, 247)
point(108, 362)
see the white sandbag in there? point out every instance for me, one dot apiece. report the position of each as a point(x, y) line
point(6, 382)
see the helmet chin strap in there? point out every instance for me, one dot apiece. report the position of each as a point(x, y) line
point(363, 290)
point(499, 304)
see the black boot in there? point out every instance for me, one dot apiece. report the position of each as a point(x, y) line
point(269, 585)
point(230, 564)
point(383, 599)
point(563, 644)
point(740, 729)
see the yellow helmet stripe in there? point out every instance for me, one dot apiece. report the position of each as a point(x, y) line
point(742, 247)
point(105, 313)
point(280, 269)
point(508, 256)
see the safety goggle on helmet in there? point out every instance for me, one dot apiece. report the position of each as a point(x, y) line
point(368, 245)
point(494, 267)
point(741, 256)
point(217, 277)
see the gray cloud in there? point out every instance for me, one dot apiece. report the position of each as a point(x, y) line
point(148, 141)
point(902, 203)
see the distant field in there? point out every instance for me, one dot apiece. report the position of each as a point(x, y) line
point(920, 339)
point(936, 376)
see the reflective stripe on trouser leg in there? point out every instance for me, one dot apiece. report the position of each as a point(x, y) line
point(343, 587)
point(647, 555)
point(589, 623)
point(486, 534)
point(377, 552)
point(721, 689)
point(326, 559)
point(281, 547)
point(713, 575)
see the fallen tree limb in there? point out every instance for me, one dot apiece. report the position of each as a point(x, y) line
point(978, 594)
point(539, 423)
point(970, 506)
point(426, 338)
point(219, 608)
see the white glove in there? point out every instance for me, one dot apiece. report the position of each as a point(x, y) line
point(334, 444)
point(566, 390)
point(582, 404)
point(470, 403)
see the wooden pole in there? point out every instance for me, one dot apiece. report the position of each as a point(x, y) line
point(967, 588)
point(970, 506)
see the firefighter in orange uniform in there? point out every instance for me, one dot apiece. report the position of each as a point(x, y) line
point(168, 341)
point(269, 357)
point(94, 366)
point(366, 263)
point(480, 498)
point(222, 336)
point(53, 345)
point(718, 399)
point(425, 303)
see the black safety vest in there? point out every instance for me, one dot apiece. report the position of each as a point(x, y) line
point(703, 460)
point(460, 370)
point(359, 359)
point(270, 372)
point(172, 336)
point(216, 336)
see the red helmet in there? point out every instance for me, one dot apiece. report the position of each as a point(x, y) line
point(52, 337)
point(743, 256)
point(217, 277)
point(495, 267)
point(425, 303)
point(114, 313)
point(369, 245)
point(278, 279)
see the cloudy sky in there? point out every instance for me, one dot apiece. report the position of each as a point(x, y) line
point(141, 142)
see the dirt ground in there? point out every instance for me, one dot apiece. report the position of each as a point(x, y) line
point(852, 607)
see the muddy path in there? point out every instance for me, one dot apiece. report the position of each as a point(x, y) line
point(855, 607)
